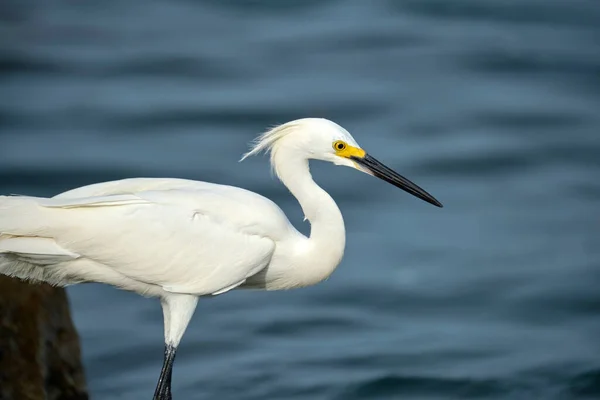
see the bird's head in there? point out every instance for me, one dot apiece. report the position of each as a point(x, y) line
point(322, 139)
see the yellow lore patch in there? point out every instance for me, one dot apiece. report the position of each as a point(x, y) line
point(343, 149)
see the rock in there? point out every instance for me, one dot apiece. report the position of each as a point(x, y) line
point(39, 346)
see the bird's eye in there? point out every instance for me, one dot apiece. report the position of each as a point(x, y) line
point(339, 145)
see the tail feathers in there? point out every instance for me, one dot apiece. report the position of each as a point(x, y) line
point(20, 215)
point(29, 227)
point(32, 258)
point(37, 216)
point(35, 250)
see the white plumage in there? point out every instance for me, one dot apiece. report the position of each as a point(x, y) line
point(179, 239)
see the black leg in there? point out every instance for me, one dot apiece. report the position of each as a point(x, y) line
point(163, 388)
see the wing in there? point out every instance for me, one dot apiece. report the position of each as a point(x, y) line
point(245, 209)
point(163, 238)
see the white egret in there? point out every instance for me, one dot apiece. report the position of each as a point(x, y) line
point(179, 239)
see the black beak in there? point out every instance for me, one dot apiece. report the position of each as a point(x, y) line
point(379, 170)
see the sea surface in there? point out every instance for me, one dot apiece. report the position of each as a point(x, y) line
point(492, 106)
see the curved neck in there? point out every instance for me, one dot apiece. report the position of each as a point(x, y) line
point(327, 234)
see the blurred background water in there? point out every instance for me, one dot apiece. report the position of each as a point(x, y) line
point(492, 106)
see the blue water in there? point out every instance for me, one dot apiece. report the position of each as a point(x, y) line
point(492, 106)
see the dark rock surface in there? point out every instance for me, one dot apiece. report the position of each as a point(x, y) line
point(39, 346)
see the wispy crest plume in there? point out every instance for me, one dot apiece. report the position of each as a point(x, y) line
point(267, 141)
